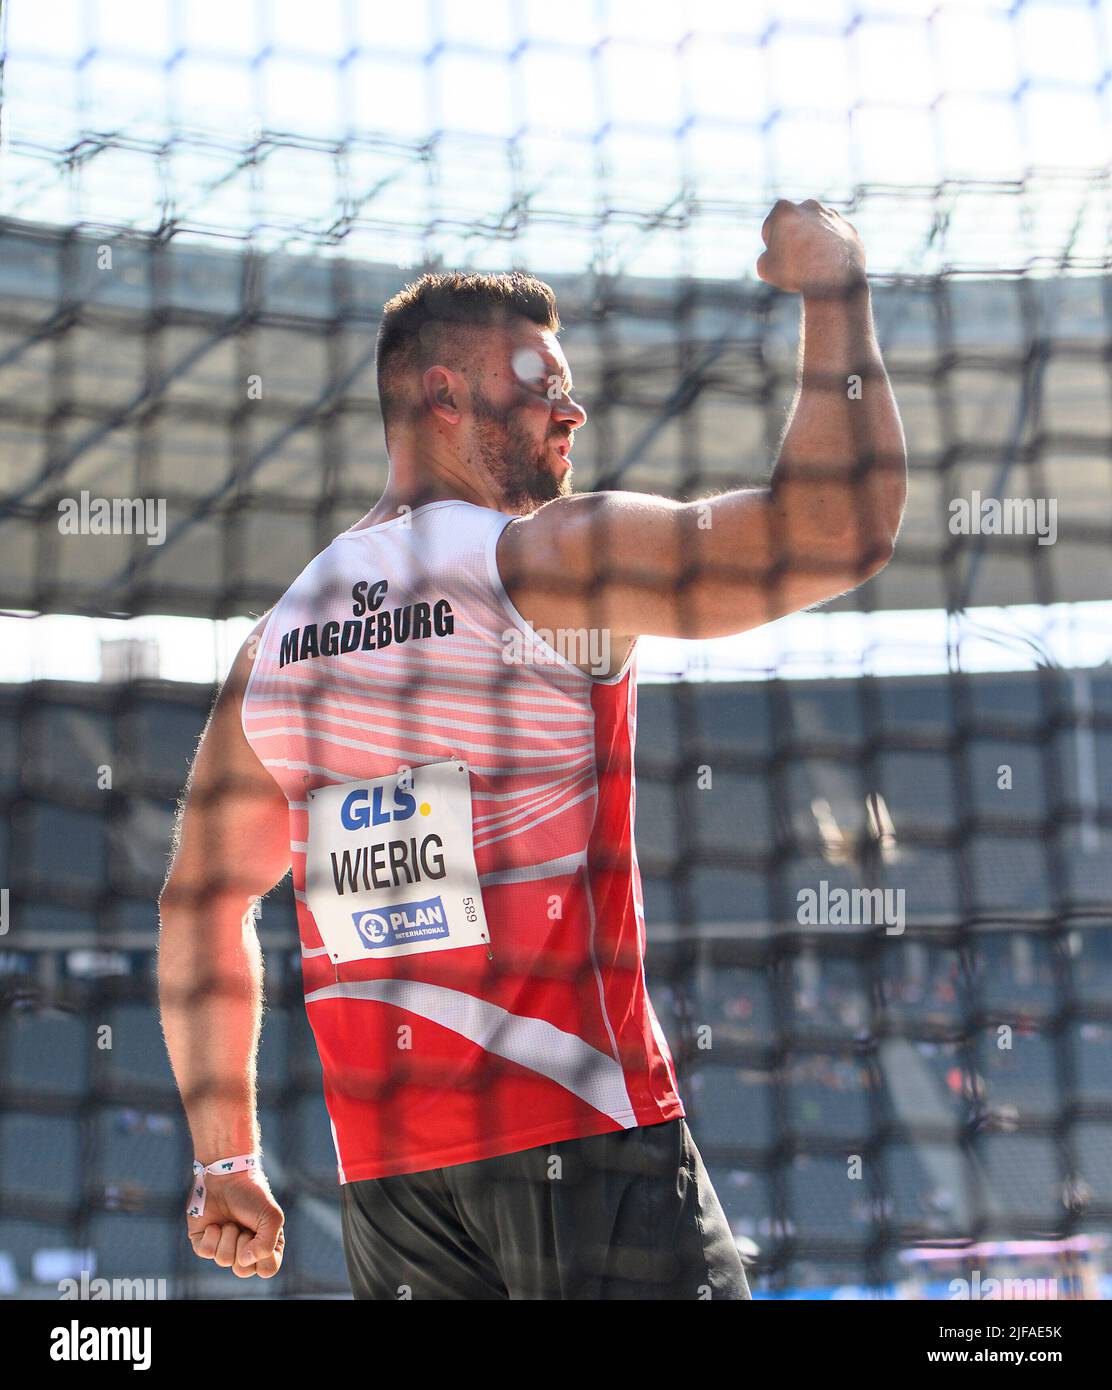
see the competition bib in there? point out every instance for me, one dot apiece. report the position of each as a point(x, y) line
point(390, 868)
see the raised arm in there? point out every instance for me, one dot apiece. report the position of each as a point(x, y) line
point(232, 847)
point(633, 563)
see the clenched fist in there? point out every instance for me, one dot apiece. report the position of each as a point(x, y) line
point(811, 250)
point(241, 1228)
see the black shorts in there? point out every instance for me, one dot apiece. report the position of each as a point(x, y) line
point(627, 1215)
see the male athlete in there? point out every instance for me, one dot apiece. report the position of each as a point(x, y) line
point(435, 727)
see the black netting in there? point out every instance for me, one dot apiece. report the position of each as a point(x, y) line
point(154, 263)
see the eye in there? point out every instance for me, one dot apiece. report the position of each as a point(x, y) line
point(528, 366)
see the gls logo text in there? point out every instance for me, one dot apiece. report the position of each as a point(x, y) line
point(360, 811)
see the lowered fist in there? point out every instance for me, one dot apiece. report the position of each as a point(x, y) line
point(811, 250)
point(242, 1225)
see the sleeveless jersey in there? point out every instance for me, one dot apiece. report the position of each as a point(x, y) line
point(398, 646)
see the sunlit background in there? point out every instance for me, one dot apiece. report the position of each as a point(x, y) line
point(613, 140)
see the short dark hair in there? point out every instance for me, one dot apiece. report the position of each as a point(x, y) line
point(431, 319)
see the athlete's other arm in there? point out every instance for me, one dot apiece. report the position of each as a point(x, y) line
point(232, 846)
point(632, 563)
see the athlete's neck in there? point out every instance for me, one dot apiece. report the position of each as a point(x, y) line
point(421, 473)
point(396, 501)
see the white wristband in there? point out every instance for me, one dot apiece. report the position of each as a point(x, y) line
point(242, 1163)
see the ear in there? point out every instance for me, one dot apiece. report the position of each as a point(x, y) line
point(441, 388)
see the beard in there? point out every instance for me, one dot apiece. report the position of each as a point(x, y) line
point(519, 469)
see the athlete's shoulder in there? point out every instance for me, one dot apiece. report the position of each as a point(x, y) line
point(434, 541)
point(567, 538)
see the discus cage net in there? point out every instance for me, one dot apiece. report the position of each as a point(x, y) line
point(196, 193)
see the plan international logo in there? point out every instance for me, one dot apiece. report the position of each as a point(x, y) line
point(397, 926)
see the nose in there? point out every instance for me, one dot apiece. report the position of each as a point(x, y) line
point(568, 412)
